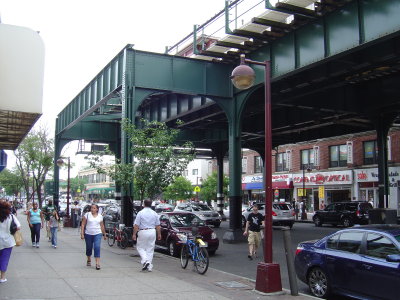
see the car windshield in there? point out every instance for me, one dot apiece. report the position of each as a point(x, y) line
point(282, 206)
point(185, 220)
point(201, 207)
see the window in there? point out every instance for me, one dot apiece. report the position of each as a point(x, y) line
point(185, 173)
point(370, 153)
point(332, 243)
point(350, 242)
point(307, 159)
point(195, 172)
point(244, 165)
point(380, 246)
point(338, 156)
point(281, 164)
point(258, 164)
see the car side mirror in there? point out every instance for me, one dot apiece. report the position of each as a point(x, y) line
point(393, 258)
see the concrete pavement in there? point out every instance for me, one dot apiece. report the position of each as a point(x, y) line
point(61, 273)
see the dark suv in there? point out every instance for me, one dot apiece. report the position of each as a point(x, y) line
point(343, 213)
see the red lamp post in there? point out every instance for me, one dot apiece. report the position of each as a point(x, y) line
point(268, 278)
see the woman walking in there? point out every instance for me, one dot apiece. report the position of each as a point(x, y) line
point(92, 229)
point(53, 223)
point(35, 221)
point(7, 241)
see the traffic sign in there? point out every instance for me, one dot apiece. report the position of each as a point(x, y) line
point(197, 189)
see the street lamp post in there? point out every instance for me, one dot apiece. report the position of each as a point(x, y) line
point(60, 162)
point(304, 194)
point(268, 278)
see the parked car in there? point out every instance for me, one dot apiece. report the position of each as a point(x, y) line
point(173, 224)
point(362, 262)
point(164, 207)
point(343, 213)
point(282, 213)
point(203, 211)
point(112, 215)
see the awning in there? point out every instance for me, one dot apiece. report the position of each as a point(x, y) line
point(99, 190)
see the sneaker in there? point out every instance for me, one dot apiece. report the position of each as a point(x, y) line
point(33, 244)
point(37, 245)
point(3, 280)
point(55, 246)
point(149, 270)
point(145, 266)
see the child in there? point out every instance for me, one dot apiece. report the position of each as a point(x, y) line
point(53, 228)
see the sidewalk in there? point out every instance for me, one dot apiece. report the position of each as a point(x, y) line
point(61, 273)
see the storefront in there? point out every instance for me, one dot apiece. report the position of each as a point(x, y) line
point(319, 189)
point(282, 185)
point(253, 188)
point(366, 186)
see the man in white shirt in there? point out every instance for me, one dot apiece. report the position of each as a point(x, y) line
point(146, 225)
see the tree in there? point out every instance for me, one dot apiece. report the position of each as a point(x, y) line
point(35, 159)
point(209, 187)
point(11, 181)
point(158, 158)
point(180, 189)
point(77, 183)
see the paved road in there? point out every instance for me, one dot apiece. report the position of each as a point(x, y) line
point(232, 258)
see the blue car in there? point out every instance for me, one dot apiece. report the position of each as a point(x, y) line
point(362, 262)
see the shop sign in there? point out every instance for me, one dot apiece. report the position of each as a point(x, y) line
point(324, 178)
point(321, 192)
point(252, 179)
point(372, 175)
point(275, 178)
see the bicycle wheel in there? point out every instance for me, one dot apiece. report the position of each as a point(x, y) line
point(184, 256)
point(110, 237)
point(202, 261)
point(124, 240)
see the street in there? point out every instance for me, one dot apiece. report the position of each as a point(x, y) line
point(232, 258)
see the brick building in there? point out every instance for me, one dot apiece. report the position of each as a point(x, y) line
point(326, 170)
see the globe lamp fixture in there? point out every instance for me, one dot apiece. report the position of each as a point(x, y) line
point(243, 76)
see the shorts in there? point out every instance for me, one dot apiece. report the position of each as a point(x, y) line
point(254, 238)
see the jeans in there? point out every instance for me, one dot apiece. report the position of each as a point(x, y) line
point(93, 241)
point(35, 232)
point(54, 235)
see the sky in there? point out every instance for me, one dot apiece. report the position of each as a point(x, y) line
point(82, 36)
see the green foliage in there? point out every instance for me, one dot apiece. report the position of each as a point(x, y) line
point(35, 157)
point(157, 158)
point(209, 187)
point(77, 183)
point(180, 189)
point(11, 181)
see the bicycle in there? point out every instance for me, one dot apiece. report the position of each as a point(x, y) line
point(119, 235)
point(194, 248)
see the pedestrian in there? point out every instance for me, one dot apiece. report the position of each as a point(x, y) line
point(297, 209)
point(47, 212)
point(53, 223)
point(253, 227)
point(35, 221)
point(147, 224)
point(75, 214)
point(92, 229)
point(7, 241)
point(303, 210)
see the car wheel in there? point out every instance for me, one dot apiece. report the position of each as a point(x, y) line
point(318, 283)
point(172, 249)
point(243, 221)
point(317, 221)
point(347, 222)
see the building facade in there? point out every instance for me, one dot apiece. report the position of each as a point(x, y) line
point(324, 171)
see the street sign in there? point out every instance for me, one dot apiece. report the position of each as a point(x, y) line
point(197, 189)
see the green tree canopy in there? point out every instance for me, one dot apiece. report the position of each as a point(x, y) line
point(157, 158)
point(180, 189)
point(209, 187)
point(11, 181)
point(35, 159)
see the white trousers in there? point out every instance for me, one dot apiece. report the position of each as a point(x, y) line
point(145, 245)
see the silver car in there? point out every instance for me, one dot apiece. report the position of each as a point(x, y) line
point(203, 211)
point(282, 213)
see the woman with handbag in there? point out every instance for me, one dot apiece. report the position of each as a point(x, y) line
point(8, 223)
point(35, 221)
